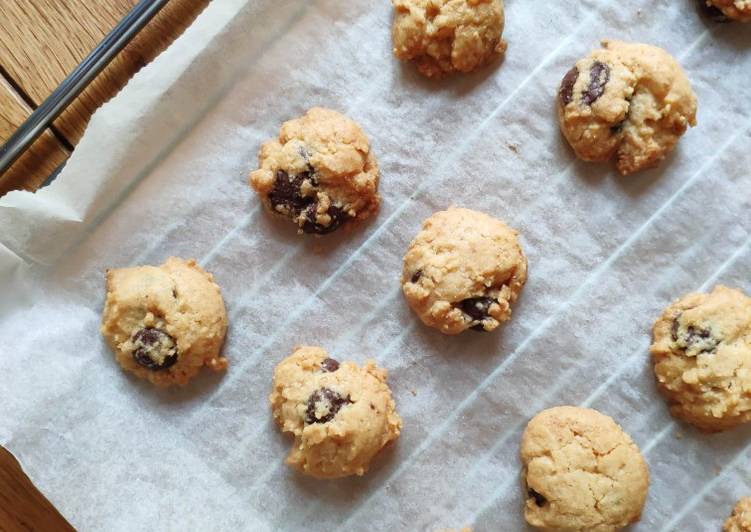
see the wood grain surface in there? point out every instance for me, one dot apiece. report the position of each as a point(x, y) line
point(40, 160)
point(22, 507)
point(65, 31)
point(41, 41)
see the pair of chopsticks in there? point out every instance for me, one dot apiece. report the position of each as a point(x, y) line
point(78, 80)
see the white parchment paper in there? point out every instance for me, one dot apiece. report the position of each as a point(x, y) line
point(162, 171)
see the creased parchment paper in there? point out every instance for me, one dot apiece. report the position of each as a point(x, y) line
point(162, 171)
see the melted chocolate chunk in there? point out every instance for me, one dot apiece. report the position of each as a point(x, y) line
point(155, 349)
point(287, 193)
point(337, 214)
point(599, 75)
point(330, 401)
point(415, 276)
point(476, 307)
point(329, 365)
point(674, 328)
point(540, 500)
point(712, 12)
point(566, 92)
point(697, 335)
point(694, 337)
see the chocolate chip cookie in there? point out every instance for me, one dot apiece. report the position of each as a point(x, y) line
point(581, 472)
point(739, 10)
point(702, 358)
point(340, 414)
point(165, 322)
point(463, 271)
point(320, 173)
point(627, 100)
point(445, 36)
point(740, 519)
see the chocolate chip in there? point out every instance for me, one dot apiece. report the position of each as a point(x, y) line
point(337, 214)
point(476, 307)
point(415, 276)
point(674, 328)
point(540, 500)
point(599, 75)
point(566, 92)
point(696, 338)
point(712, 12)
point(329, 365)
point(155, 349)
point(324, 401)
point(286, 192)
point(697, 335)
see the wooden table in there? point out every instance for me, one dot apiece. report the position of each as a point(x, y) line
point(41, 41)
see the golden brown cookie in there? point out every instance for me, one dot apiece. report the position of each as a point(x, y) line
point(341, 414)
point(463, 271)
point(627, 100)
point(739, 10)
point(740, 519)
point(320, 173)
point(581, 472)
point(702, 358)
point(445, 36)
point(165, 322)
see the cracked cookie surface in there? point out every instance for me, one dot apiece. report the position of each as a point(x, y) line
point(740, 519)
point(445, 36)
point(463, 271)
point(165, 322)
point(340, 414)
point(581, 472)
point(320, 172)
point(702, 358)
point(739, 10)
point(626, 100)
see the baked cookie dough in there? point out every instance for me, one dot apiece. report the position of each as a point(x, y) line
point(463, 271)
point(740, 519)
point(165, 322)
point(733, 9)
point(320, 173)
point(340, 414)
point(627, 100)
point(581, 472)
point(445, 36)
point(702, 358)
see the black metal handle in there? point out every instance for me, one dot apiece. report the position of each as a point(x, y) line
point(78, 80)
